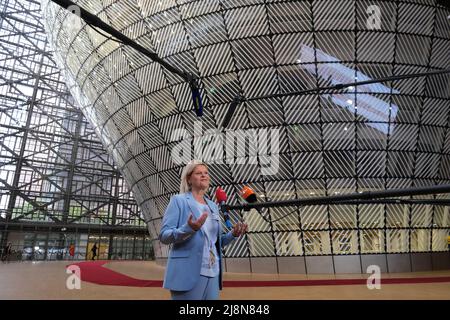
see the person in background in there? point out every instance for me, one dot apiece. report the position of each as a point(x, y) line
point(6, 252)
point(72, 250)
point(191, 225)
point(94, 251)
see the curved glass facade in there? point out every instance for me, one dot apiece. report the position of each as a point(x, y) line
point(371, 137)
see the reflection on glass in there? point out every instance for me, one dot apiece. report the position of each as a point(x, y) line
point(331, 70)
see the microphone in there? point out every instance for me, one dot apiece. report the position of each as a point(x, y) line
point(249, 195)
point(226, 120)
point(221, 198)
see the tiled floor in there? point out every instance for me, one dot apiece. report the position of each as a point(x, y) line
point(47, 280)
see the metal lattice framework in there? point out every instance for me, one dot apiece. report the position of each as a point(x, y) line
point(54, 171)
point(375, 137)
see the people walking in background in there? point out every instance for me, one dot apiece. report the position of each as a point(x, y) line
point(6, 252)
point(72, 250)
point(94, 251)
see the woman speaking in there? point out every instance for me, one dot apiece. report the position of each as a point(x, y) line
point(192, 225)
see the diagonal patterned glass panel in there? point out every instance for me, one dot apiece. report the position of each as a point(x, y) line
point(305, 137)
point(288, 244)
point(253, 52)
point(260, 244)
point(246, 22)
point(314, 217)
point(308, 165)
point(343, 217)
point(371, 216)
point(331, 15)
point(371, 163)
point(439, 240)
point(441, 217)
point(256, 221)
point(340, 164)
point(285, 218)
point(420, 240)
point(397, 241)
point(339, 136)
point(372, 241)
point(287, 17)
point(345, 241)
point(421, 215)
point(397, 216)
point(238, 248)
point(317, 242)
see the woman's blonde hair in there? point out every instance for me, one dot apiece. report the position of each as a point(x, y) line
point(186, 174)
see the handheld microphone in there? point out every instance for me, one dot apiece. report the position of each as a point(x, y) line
point(221, 198)
point(231, 109)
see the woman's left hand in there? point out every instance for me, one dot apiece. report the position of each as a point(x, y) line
point(239, 229)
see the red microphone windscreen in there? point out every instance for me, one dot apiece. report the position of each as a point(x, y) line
point(221, 195)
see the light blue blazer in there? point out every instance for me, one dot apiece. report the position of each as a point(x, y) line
point(186, 252)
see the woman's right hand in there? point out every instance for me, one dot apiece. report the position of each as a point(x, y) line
point(197, 224)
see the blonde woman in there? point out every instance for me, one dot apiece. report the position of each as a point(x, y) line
point(192, 225)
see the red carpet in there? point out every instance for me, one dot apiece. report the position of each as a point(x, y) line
point(94, 272)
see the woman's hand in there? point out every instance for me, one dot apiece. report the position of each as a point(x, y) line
point(239, 229)
point(197, 224)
